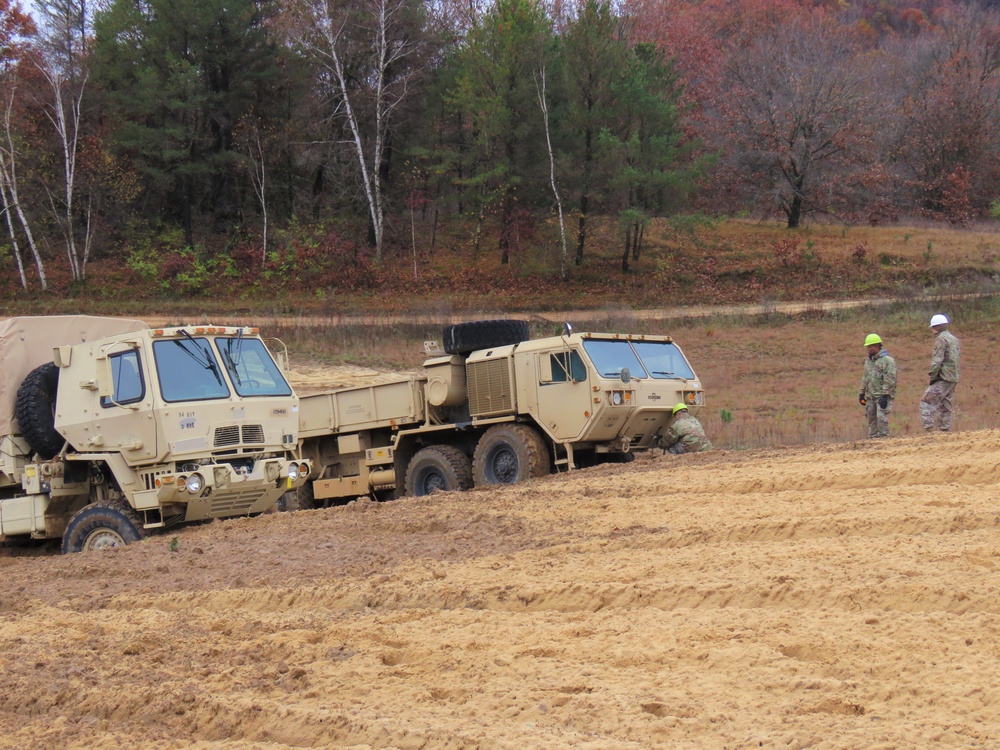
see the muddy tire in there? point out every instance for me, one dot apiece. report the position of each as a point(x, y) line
point(438, 467)
point(307, 497)
point(101, 526)
point(35, 409)
point(509, 453)
point(463, 338)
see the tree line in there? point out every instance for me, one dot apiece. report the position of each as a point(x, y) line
point(145, 123)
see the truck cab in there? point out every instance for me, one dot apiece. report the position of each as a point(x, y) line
point(169, 425)
point(590, 393)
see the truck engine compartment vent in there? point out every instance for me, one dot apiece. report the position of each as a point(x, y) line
point(234, 435)
point(253, 433)
point(490, 389)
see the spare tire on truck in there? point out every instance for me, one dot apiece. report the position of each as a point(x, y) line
point(463, 338)
point(35, 409)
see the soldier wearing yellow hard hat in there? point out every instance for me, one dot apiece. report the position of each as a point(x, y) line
point(685, 434)
point(878, 386)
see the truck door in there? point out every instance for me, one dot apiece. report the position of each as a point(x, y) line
point(125, 418)
point(564, 399)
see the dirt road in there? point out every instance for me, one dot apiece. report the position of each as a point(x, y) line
point(575, 317)
point(826, 597)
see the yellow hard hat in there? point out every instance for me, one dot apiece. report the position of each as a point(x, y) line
point(678, 407)
point(873, 338)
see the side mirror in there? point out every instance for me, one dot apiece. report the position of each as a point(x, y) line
point(626, 375)
point(105, 383)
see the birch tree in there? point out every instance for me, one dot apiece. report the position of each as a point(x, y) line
point(15, 28)
point(10, 181)
point(540, 83)
point(62, 60)
point(370, 55)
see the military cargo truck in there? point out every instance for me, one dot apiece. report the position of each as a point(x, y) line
point(110, 430)
point(494, 407)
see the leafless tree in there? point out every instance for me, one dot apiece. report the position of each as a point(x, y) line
point(371, 52)
point(62, 60)
point(795, 121)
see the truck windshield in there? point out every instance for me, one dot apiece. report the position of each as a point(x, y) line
point(657, 359)
point(663, 360)
point(188, 370)
point(610, 357)
point(251, 368)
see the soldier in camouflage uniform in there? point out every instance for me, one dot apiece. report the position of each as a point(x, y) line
point(935, 406)
point(685, 435)
point(878, 387)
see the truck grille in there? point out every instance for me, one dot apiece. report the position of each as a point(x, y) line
point(234, 435)
point(490, 390)
point(233, 503)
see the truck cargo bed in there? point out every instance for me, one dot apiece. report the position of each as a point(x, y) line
point(362, 408)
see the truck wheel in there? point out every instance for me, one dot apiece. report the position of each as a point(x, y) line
point(509, 453)
point(307, 497)
point(100, 526)
point(35, 409)
point(438, 467)
point(463, 338)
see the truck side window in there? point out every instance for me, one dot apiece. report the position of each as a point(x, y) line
point(567, 366)
point(126, 376)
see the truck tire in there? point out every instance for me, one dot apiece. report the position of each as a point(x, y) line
point(463, 338)
point(35, 409)
point(102, 525)
point(438, 467)
point(307, 497)
point(509, 453)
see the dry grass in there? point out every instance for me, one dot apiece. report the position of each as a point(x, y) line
point(784, 380)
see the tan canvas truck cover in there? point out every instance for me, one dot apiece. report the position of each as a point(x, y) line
point(27, 342)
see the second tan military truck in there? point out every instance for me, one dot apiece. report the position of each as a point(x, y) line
point(494, 407)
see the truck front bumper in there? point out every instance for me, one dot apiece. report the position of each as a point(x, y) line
point(222, 491)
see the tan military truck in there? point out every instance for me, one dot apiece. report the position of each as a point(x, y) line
point(495, 407)
point(110, 430)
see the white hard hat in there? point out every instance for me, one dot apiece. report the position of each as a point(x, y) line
point(939, 320)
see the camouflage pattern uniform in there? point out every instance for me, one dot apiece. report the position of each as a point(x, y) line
point(686, 435)
point(936, 402)
point(879, 380)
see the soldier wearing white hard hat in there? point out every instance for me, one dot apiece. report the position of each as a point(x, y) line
point(936, 404)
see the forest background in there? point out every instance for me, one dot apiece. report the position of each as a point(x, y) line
point(324, 153)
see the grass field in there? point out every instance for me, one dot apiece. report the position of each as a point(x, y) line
point(686, 260)
point(770, 379)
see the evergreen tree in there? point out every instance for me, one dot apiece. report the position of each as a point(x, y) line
point(643, 152)
point(495, 92)
point(179, 76)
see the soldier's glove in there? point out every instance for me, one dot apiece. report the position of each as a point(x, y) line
point(883, 402)
point(861, 399)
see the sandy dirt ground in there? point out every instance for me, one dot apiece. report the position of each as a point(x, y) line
point(821, 597)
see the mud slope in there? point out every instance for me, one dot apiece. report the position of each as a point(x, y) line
point(827, 597)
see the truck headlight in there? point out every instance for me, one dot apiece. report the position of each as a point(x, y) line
point(293, 471)
point(195, 483)
point(616, 398)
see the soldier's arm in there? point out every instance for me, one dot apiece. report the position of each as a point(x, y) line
point(937, 358)
point(889, 379)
